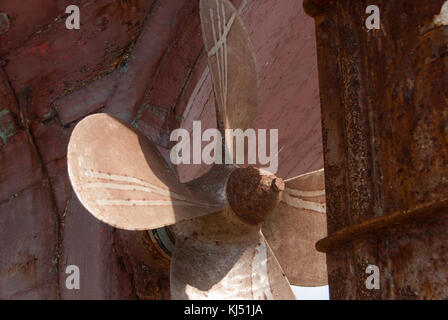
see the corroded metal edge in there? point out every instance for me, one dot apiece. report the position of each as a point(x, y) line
point(253, 194)
point(374, 226)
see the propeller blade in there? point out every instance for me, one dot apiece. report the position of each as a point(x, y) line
point(280, 285)
point(220, 257)
point(295, 226)
point(231, 63)
point(121, 178)
point(212, 185)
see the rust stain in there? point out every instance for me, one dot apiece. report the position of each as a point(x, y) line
point(42, 49)
point(384, 124)
point(26, 269)
point(369, 227)
point(253, 194)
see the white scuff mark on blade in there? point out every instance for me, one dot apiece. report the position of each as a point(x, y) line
point(261, 288)
point(219, 49)
point(120, 178)
point(305, 194)
point(442, 18)
point(144, 203)
point(302, 204)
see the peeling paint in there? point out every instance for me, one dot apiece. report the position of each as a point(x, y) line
point(442, 18)
point(3, 113)
point(7, 129)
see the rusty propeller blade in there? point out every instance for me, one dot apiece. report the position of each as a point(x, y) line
point(220, 257)
point(121, 178)
point(295, 226)
point(231, 63)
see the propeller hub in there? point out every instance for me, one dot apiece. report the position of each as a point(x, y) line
point(253, 193)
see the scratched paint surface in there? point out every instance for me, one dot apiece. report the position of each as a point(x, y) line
point(144, 62)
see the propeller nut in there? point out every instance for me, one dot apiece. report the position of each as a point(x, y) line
point(253, 194)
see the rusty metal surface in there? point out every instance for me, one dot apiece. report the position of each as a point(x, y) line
point(141, 61)
point(370, 227)
point(384, 113)
point(53, 78)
